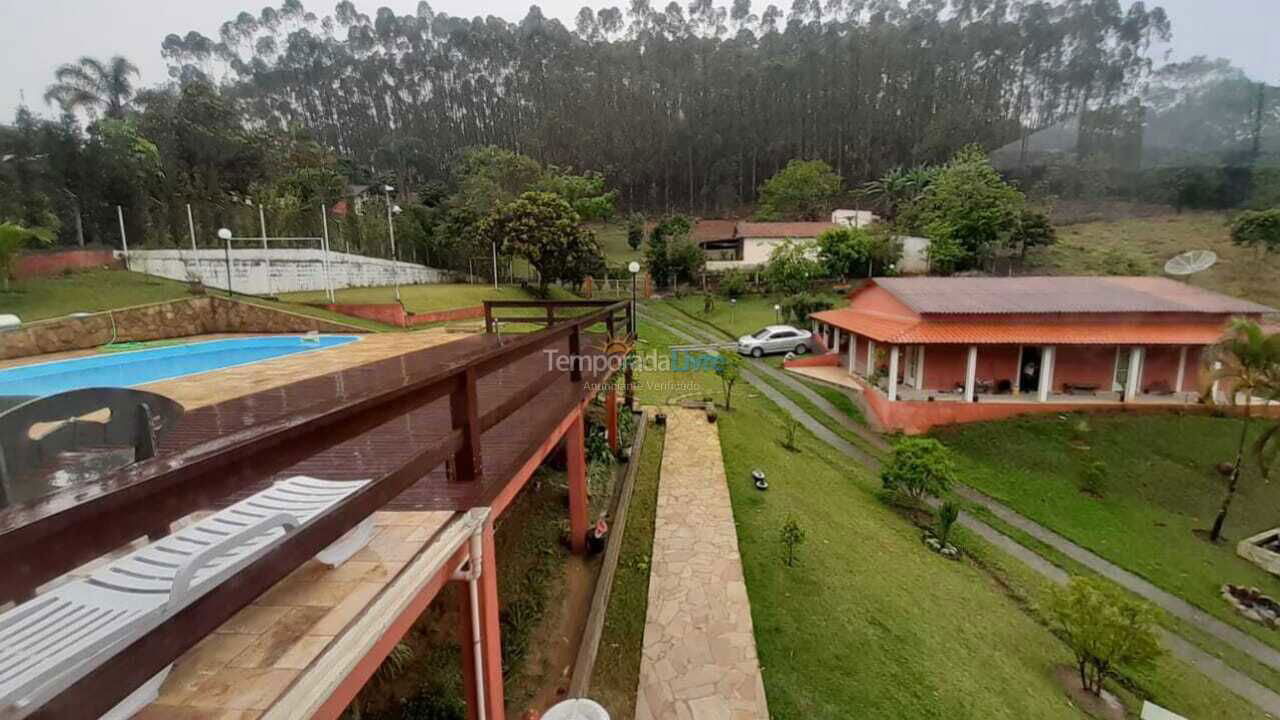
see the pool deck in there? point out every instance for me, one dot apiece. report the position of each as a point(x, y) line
point(215, 386)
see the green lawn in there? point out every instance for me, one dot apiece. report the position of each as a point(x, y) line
point(617, 671)
point(744, 317)
point(1161, 487)
point(423, 298)
point(612, 237)
point(87, 291)
point(1142, 245)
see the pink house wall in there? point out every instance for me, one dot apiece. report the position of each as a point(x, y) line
point(51, 263)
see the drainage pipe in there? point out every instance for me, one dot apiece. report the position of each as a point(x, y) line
point(471, 574)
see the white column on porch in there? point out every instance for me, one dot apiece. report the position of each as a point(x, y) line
point(970, 373)
point(871, 357)
point(853, 350)
point(1182, 368)
point(1214, 392)
point(1047, 356)
point(815, 327)
point(1133, 382)
point(835, 343)
point(893, 373)
point(919, 376)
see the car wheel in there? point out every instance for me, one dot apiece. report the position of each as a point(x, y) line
point(757, 353)
point(801, 349)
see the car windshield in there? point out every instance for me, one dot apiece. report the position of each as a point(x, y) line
point(762, 334)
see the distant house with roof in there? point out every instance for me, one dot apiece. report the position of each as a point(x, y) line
point(931, 350)
point(750, 244)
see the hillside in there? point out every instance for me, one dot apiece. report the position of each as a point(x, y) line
point(1140, 246)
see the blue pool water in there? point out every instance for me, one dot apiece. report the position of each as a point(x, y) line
point(125, 369)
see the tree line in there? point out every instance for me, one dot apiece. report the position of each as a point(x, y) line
point(684, 107)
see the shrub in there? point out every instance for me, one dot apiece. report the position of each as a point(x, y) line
point(1257, 229)
point(792, 536)
point(1104, 629)
point(708, 304)
point(635, 230)
point(1094, 478)
point(1034, 230)
point(799, 307)
point(791, 429)
point(948, 514)
point(792, 266)
point(919, 467)
point(946, 256)
point(733, 284)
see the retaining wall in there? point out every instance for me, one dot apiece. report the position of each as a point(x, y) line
point(255, 271)
point(158, 321)
point(38, 264)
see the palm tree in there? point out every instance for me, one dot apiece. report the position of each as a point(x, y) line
point(1247, 360)
point(93, 85)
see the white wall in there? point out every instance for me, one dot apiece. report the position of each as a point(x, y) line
point(915, 255)
point(255, 271)
point(854, 218)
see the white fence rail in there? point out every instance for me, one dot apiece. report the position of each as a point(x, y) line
point(255, 271)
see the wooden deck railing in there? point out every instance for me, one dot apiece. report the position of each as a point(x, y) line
point(619, 321)
point(45, 540)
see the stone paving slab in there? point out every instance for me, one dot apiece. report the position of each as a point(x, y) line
point(699, 658)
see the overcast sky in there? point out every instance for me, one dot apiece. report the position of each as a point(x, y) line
point(41, 34)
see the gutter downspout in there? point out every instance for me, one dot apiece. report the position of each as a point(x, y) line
point(471, 574)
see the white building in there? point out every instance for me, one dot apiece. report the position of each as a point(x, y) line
point(753, 242)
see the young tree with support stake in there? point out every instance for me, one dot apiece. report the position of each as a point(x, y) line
point(729, 370)
point(1247, 361)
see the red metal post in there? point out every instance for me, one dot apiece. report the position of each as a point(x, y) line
point(491, 630)
point(611, 416)
point(576, 447)
point(575, 355)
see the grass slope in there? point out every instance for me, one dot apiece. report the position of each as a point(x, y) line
point(617, 672)
point(88, 291)
point(419, 298)
point(1146, 243)
point(1162, 486)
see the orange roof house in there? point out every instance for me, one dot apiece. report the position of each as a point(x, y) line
point(1053, 341)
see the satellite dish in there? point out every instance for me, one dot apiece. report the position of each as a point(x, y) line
point(1191, 262)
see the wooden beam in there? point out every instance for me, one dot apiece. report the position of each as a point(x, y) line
point(575, 446)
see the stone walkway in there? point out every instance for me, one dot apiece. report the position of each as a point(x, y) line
point(699, 660)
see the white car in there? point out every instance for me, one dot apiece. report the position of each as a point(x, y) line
point(775, 339)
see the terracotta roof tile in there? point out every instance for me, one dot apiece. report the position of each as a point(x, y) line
point(900, 330)
point(782, 229)
point(987, 295)
point(708, 230)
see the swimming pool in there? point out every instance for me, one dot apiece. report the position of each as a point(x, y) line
point(137, 367)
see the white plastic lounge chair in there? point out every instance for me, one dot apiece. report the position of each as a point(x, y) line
point(50, 642)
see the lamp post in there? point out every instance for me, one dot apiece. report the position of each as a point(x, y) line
point(634, 269)
point(391, 229)
point(777, 313)
point(733, 303)
point(224, 234)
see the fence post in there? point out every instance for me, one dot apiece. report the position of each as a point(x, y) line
point(464, 415)
point(551, 315)
point(575, 354)
point(488, 317)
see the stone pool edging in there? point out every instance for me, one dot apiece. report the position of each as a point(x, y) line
point(158, 321)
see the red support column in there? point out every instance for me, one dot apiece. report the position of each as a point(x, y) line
point(466, 642)
point(491, 629)
point(611, 417)
point(576, 447)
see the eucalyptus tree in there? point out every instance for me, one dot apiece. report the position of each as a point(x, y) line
point(93, 85)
